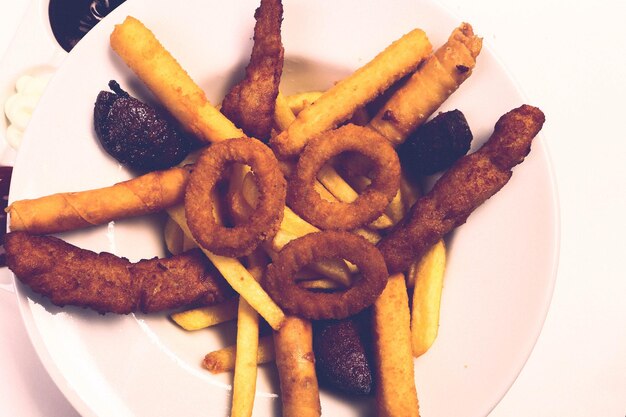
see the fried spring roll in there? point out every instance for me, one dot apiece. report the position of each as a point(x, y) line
point(440, 75)
point(465, 186)
point(61, 212)
point(396, 394)
point(169, 82)
point(299, 389)
point(344, 98)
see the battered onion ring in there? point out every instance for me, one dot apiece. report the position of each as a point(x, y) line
point(264, 221)
point(305, 201)
point(280, 276)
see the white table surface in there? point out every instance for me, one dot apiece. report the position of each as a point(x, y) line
point(570, 59)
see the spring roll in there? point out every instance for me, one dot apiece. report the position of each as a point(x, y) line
point(149, 193)
point(440, 75)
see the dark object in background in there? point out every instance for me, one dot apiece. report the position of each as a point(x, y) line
point(341, 358)
point(136, 134)
point(436, 145)
point(70, 20)
point(5, 182)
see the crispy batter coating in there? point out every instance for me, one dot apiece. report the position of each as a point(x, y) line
point(470, 182)
point(307, 202)
point(250, 104)
point(262, 224)
point(279, 280)
point(106, 283)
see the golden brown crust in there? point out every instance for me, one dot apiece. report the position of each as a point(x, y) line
point(106, 283)
point(471, 181)
point(280, 275)
point(264, 221)
point(307, 202)
point(62, 212)
point(250, 104)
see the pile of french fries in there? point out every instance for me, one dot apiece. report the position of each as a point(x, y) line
point(402, 329)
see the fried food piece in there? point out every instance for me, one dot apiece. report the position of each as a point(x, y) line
point(169, 82)
point(207, 316)
point(280, 275)
point(299, 101)
point(436, 145)
point(396, 394)
point(307, 202)
point(238, 277)
point(342, 361)
point(223, 360)
point(341, 101)
point(465, 186)
point(246, 356)
point(106, 283)
point(136, 134)
point(263, 222)
point(427, 298)
point(250, 104)
point(149, 193)
point(438, 77)
point(295, 361)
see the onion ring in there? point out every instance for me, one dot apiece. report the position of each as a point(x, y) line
point(305, 201)
point(265, 220)
point(280, 276)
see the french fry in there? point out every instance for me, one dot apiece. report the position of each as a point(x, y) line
point(297, 102)
point(283, 116)
point(427, 298)
point(320, 284)
point(223, 360)
point(299, 390)
point(440, 75)
point(396, 394)
point(62, 212)
point(203, 317)
point(344, 98)
point(244, 381)
point(173, 236)
point(238, 277)
point(169, 82)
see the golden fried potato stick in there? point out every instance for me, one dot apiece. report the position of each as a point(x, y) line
point(427, 298)
point(169, 82)
point(175, 239)
point(244, 381)
point(223, 360)
point(297, 102)
point(203, 317)
point(283, 115)
point(396, 394)
point(293, 227)
point(238, 277)
point(344, 98)
point(149, 193)
point(439, 77)
point(295, 361)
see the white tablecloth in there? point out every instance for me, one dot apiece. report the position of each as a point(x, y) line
point(570, 59)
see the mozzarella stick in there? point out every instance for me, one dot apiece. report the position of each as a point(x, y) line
point(169, 82)
point(396, 394)
point(344, 98)
point(299, 390)
point(440, 75)
point(149, 193)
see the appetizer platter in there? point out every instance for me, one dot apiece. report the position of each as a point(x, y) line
point(286, 235)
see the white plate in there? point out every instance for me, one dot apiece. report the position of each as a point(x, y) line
point(501, 263)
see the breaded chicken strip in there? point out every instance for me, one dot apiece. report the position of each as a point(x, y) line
point(106, 283)
point(465, 186)
point(250, 104)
